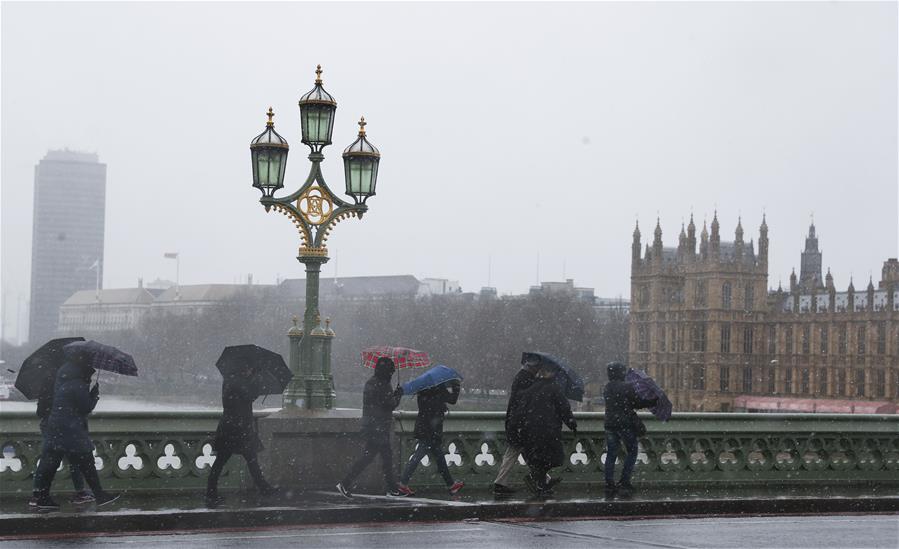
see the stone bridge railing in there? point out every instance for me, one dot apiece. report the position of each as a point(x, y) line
point(162, 451)
point(137, 451)
point(692, 448)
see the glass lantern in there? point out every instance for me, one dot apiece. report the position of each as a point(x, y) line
point(360, 162)
point(317, 108)
point(268, 152)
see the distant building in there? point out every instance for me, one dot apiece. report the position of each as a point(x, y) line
point(67, 234)
point(567, 287)
point(109, 311)
point(199, 298)
point(125, 308)
point(358, 288)
point(441, 286)
point(705, 326)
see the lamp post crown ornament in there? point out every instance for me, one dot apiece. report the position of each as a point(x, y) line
point(318, 74)
point(362, 124)
point(271, 116)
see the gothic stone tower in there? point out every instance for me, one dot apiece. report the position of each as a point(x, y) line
point(695, 314)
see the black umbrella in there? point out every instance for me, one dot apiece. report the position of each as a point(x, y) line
point(103, 357)
point(39, 369)
point(265, 369)
point(571, 382)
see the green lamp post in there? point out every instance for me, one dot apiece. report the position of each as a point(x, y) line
point(314, 209)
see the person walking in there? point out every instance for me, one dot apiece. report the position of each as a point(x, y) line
point(429, 434)
point(66, 433)
point(44, 407)
point(623, 427)
point(237, 434)
point(523, 379)
point(378, 402)
point(544, 409)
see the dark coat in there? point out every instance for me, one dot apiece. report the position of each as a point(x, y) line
point(66, 426)
point(544, 408)
point(379, 400)
point(431, 409)
point(621, 403)
point(236, 432)
point(45, 405)
point(523, 380)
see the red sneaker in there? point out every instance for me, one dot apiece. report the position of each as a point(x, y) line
point(458, 485)
point(405, 490)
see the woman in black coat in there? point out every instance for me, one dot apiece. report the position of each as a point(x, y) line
point(66, 434)
point(542, 410)
point(44, 408)
point(237, 434)
point(429, 434)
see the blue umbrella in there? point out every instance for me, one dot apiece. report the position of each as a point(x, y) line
point(647, 388)
point(571, 382)
point(435, 376)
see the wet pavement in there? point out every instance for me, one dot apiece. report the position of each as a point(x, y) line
point(185, 512)
point(849, 532)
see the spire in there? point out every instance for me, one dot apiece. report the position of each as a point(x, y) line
point(870, 283)
point(657, 242)
point(715, 238)
point(851, 284)
point(738, 234)
point(828, 279)
point(704, 242)
point(763, 228)
point(635, 247)
point(691, 237)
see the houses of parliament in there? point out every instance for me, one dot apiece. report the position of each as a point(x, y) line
point(705, 325)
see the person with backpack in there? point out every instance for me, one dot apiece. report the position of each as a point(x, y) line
point(622, 427)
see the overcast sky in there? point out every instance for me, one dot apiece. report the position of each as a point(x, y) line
point(507, 131)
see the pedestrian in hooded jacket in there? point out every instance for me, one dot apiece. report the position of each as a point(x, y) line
point(429, 434)
point(622, 427)
point(379, 400)
point(523, 379)
point(44, 407)
point(544, 408)
point(237, 434)
point(66, 434)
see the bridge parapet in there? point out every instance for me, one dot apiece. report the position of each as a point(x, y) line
point(163, 451)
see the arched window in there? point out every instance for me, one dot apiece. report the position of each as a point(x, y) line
point(726, 295)
point(748, 297)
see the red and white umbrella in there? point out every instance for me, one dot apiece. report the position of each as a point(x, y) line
point(402, 357)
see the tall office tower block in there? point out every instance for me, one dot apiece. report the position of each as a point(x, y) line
point(67, 234)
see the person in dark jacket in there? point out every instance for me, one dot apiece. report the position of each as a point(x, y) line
point(237, 434)
point(429, 434)
point(523, 379)
point(544, 409)
point(622, 426)
point(379, 400)
point(66, 434)
point(44, 407)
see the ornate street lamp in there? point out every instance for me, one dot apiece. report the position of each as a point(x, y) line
point(314, 209)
